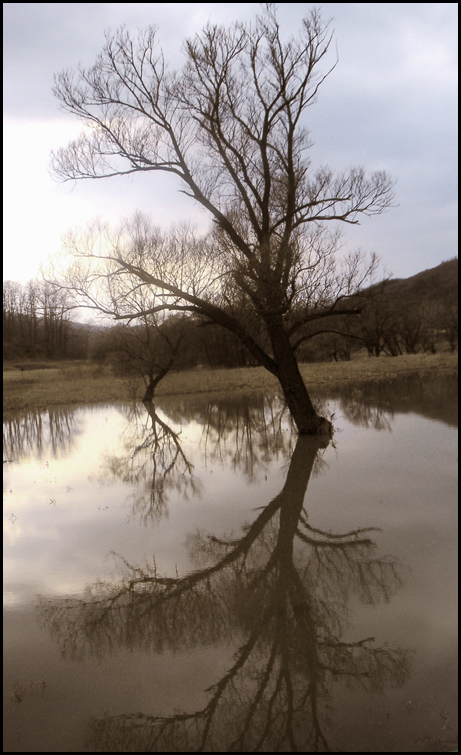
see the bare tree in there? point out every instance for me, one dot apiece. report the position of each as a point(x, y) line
point(378, 327)
point(230, 127)
point(149, 350)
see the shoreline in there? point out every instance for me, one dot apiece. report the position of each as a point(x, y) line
point(86, 383)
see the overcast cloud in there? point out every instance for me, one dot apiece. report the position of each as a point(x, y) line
point(389, 104)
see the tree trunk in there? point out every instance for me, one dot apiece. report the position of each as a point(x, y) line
point(294, 389)
point(154, 381)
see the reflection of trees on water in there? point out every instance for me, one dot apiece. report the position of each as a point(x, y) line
point(375, 403)
point(39, 433)
point(362, 407)
point(248, 433)
point(153, 462)
point(243, 432)
point(280, 592)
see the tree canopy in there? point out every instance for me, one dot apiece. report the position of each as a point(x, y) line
point(231, 126)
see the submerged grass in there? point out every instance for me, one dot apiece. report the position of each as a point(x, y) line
point(87, 383)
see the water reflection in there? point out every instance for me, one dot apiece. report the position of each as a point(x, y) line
point(39, 433)
point(260, 426)
point(153, 462)
point(244, 433)
point(374, 404)
point(278, 593)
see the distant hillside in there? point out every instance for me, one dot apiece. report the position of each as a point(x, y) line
point(436, 285)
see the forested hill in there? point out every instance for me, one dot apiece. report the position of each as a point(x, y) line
point(438, 285)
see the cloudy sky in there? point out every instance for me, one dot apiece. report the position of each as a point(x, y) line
point(389, 104)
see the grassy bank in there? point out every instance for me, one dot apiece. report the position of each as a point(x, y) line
point(82, 383)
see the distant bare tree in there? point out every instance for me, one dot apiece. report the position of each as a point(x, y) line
point(379, 324)
point(149, 350)
point(230, 127)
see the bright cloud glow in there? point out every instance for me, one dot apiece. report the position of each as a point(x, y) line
point(390, 104)
point(36, 211)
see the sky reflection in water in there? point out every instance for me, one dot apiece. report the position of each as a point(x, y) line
point(194, 597)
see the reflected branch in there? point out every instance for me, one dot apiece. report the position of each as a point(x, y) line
point(154, 462)
point(244, 433)
point(284, 587)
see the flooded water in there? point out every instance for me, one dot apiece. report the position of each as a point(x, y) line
point(199, 579)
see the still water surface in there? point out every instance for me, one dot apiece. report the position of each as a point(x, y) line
point(197, 578)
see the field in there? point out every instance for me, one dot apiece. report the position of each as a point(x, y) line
point(41, 385)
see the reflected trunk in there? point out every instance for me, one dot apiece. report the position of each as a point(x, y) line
point(259, 591)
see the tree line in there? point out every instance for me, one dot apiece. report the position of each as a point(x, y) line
point(37, 323)
point(398, 318)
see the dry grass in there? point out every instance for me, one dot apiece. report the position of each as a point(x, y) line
point(84, 383)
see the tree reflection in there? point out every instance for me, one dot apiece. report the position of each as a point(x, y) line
point(363, 408)
point(153, 463)
point(280, 592)
point(244, 432)
point(39, 432)
point(375, 403)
